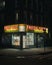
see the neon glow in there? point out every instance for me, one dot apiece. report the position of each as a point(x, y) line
point(24, 28)
point(11, 28)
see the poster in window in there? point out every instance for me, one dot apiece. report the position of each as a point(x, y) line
point(30, 38)
point(15, 40)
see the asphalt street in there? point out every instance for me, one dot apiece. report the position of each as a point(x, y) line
point(14, 56)
point(39, 59)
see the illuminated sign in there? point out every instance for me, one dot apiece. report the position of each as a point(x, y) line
point(30, 28)
point(22, 27)
point(40, 29)
point(36, 29)
point(46, 30)
point(11, 28)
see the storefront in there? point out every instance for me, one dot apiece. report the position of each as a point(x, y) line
point(23, 36)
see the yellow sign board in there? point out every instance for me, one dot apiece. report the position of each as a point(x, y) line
point(11, 28)
point(24, 28)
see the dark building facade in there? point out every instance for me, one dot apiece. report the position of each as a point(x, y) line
point(2, 16)
point(30, 12)
point(33, 12)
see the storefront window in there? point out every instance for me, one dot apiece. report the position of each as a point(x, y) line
point(16, 40)
point(28, 40)
point(40, 40)
point(6, 40)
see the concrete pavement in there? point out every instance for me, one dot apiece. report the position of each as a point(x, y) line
point(32, 51)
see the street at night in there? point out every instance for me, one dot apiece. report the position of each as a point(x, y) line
point(36, 59)
point(15, 56)
point(26, 32)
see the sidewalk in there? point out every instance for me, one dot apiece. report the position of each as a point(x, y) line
point(32, 51)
